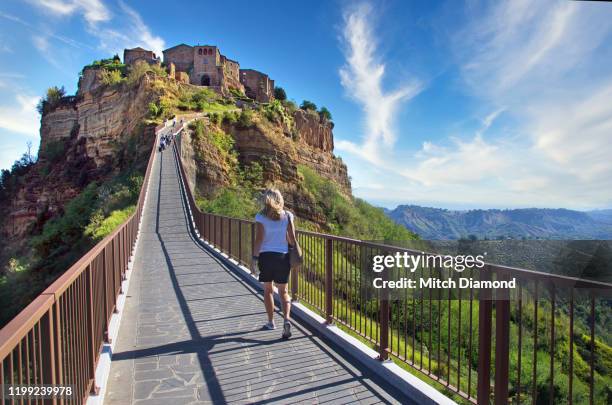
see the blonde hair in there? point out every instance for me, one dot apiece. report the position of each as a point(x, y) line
point(273, 204)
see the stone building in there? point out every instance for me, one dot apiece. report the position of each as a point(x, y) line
point(130, 56)
point(207, 66)
point(257, 85)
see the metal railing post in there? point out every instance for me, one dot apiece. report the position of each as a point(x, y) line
point(47, 348)
point(485, 324)
point(92, 349)
point(294, 283)
point(383, 344)
point(229, 237)
point(502, 346)
point(329, 281)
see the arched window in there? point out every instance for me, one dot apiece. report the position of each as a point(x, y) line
point(200, 51)
point(210, 52)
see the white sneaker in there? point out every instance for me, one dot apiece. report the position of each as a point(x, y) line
point(286, 330)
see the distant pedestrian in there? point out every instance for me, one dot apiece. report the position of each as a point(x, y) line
point(275, 235)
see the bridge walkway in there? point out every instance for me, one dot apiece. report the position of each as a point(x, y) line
point(191, 330)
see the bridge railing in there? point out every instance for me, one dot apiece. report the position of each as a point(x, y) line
point(57, 339)
point(482, 349)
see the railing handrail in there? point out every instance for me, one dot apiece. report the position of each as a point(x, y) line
point(45, 316)
point(517, 271)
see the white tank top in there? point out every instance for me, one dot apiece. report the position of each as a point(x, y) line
point(275, 232)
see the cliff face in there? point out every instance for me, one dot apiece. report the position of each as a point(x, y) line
point(83, 139)
point(90, 137)
point(278, 150)
point(313, 131)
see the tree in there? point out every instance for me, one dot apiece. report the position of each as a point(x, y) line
point(308, 105)
point(50, 100)
point(279, 94)
point(325, 114)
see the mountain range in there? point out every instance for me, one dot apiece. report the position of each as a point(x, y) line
point(527, 223)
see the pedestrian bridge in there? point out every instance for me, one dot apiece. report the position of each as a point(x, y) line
point(163, 311)
point(192, 329)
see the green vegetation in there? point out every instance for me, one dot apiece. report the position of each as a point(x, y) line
point(86, 219)
point(113, 63)
point(239, 199)
point(325, 114)
point(308, 105)
point(277, 113)
point(279, 94)
point(51, 99)
point(348, 215)
point(111, 77)
point(237, 93)
point(223, 142)
point(141, 68)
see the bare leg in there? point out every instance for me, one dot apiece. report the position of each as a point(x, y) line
point(269, 300)
point(285, 299)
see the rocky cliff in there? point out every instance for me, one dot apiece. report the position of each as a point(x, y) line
point(90, 137)
point(83, 139)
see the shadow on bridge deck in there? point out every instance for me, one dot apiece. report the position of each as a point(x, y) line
point(191, 329)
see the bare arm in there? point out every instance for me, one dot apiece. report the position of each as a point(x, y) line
point(291, 233)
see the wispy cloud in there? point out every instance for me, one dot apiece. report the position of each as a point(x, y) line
point(94, 11)
point(362, 78)
point(20, 115)
point(128, 31)
point(114, 31)
point(546, 64)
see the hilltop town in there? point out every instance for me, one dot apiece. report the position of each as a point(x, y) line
point(205, 65)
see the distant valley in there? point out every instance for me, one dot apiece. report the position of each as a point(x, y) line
point(529, 223)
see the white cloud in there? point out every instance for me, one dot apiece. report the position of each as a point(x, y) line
point(117, 31)
point(21, 115)
point(94, 11)
point(130, 33)
point(362, 78)
point(547, 64)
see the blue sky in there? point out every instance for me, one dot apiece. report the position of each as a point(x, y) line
point(449, 104)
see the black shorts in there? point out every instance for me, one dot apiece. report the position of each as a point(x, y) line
point(274, 266)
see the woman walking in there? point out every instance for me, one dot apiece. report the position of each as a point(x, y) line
point(275, 235)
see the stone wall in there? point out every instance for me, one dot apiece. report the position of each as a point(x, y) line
point(130, 56)
point(257, 85)
point(231, 74)
point(182, 57)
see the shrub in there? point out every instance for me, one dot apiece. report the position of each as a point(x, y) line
point(99, 226)
point(234, 202)
point(279, 94)
point(325, 114)
point(64, 233)
point(111, 77)
point(215, 118)
point(308, 105)
point(246, 119)
point(51, 99)
point(141, 68)
point(290, 106)
point(236, 92)
point(153, 110)
point(251, 175)
point(229, 117)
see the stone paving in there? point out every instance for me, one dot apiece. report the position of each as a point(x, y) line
point(191, 329)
